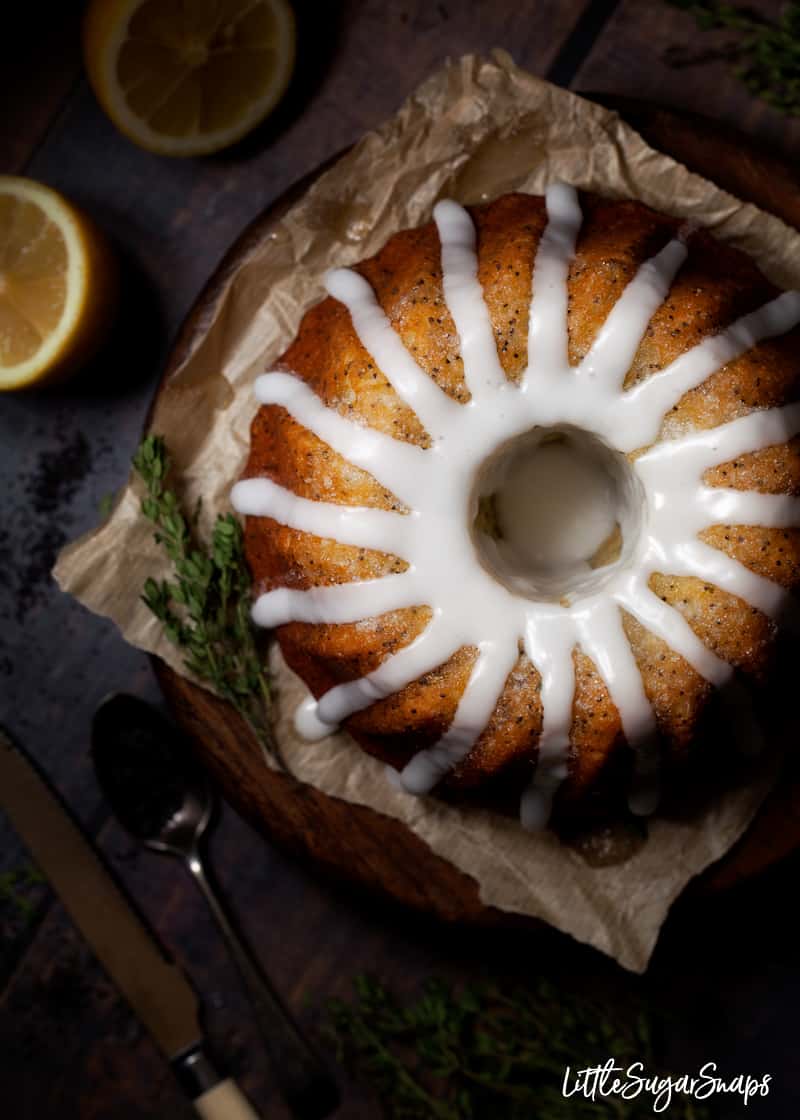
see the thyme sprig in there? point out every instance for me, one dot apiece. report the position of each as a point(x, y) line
point(16, 887)
point(205, 608)
point(765, 53)
point(479, 1052)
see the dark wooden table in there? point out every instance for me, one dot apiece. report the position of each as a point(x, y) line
point(726, 968)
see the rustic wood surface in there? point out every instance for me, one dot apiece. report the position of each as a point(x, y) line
point(726, 968)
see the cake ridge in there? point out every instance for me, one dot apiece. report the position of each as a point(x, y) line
point(469, 607)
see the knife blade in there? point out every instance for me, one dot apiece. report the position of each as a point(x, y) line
point(150, 981)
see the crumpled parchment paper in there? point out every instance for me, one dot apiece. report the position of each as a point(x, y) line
point(476, 129)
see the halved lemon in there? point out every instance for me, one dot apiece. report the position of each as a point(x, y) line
point(57, 285)
point(188, 77)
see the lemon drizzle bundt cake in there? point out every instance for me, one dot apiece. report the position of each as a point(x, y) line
point(520, 496)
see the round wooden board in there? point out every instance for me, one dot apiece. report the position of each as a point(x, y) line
point(356, 844)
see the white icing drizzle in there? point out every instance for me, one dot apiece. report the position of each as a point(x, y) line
point(327, 604)
point(435, 485)
point(411, 383)
point(485, 684)
point(648, 403)
point(363, 447)
point(614, 349)
point(428, 650)
point(547, 324)
point(365, 528)
point(462, 292)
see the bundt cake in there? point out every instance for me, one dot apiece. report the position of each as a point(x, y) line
point(521, 499)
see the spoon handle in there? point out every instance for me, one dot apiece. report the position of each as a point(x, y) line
point(308, 1088)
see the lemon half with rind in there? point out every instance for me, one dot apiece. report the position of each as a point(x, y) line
point(185, 79)
point(58, 285)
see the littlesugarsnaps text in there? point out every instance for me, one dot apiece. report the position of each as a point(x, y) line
point(612, 1080)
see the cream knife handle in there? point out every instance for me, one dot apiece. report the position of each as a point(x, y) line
point(225, 1101)
point(214, 1097)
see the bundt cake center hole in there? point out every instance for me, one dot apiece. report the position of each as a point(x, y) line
point(554, 513)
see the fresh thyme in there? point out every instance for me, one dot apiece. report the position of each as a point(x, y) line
point(16, 886)
point(205, 608)
point(106, 504)
point(474, 1053)
point(765, 53)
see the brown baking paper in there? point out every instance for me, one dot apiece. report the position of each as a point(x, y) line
point(474, 130)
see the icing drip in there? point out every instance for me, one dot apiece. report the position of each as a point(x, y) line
point(436, 486)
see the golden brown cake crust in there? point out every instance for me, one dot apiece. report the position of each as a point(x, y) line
point(716, 285)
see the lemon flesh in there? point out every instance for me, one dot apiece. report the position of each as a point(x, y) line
point(57, 284)
point(185, 79)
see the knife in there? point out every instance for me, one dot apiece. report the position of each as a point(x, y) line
point(151, 982)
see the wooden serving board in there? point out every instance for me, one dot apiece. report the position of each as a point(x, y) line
point(356, 844)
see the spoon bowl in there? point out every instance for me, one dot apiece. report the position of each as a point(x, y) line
point(147, 773)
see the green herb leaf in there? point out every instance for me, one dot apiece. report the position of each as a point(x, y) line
point(17, 893)
point(481, 1052)
point(764, 53)
point(205, 607)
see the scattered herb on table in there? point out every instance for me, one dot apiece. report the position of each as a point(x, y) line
point(106, 504)
point(765, 53)
point(205, 607)
point(479, 1053)
point(17, 887)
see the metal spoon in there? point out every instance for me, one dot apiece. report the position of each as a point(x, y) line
point(163, 799)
